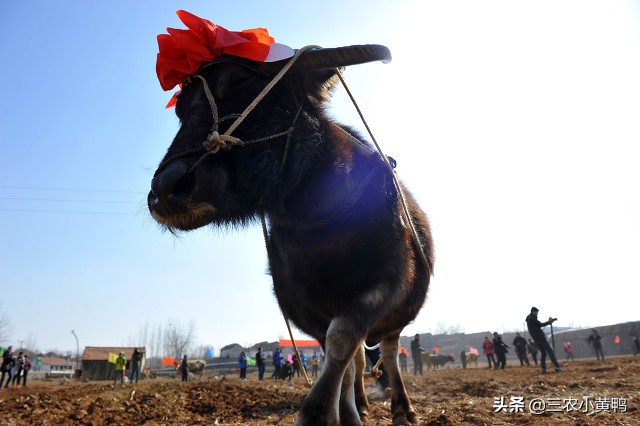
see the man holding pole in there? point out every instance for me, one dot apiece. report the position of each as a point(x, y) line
point(535, 330)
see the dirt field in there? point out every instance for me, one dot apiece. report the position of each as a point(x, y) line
point(592, 393)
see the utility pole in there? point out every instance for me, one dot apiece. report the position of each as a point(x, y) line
point(77, 349)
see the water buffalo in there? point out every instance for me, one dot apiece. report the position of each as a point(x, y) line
point(344, 265)
point(439, 361)
point(196, 367)
point(472, 358)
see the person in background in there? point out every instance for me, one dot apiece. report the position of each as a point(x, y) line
point(303, 359)
point(277, 363)
point(535, 330)
point(242, 363)
point(184, 369)
point(315, 362)
point(636, 343)
point(136, 359)
point(501, 349)
point(17, 369)
point(383, 379)
point(286, 372)
point(121, 365)
point(416, 355)
point(520, 345)
point(25, 370)
point(295, 365)
point(463, 358)
point(7, 366)
point(568, 350)
point(402, 357)
point(596, 341)
point(533, 350)
point(260, 364)
point(487, 347)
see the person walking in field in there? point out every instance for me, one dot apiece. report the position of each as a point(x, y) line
point(184, 368)
point(277, 364)
point(315, 362)
point(7, 366)
point(533, 350)
point(18, 367)
point(487, 347)
point(568, 350)
point(242, 363)
point(121, 365)
point(535, 330)
point(416, 355)
point(402, 357)
point(501, 349)
point(25, 370)
point(136, 359)
point(520, 345)
point(260, 364)
point(596, 341)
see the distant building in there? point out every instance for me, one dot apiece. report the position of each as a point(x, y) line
point(307, 347)
point(267, 349)
point(52, 366)
point(231, 351)
point(96, 365)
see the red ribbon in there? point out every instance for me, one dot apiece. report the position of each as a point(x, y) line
point(182, 52)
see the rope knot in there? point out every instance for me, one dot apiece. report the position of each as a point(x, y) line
point(215, 142)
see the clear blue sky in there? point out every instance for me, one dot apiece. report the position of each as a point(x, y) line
point(515, 124)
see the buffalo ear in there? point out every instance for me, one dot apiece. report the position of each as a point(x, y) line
point(313, 86)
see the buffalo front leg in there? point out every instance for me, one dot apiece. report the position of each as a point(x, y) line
point(323, 405)
point(401, 409)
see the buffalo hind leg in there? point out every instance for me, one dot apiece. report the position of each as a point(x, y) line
point(349, 415)
point(401, 408)
point(362, 404)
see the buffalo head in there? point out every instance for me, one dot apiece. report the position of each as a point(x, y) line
point(193, 187)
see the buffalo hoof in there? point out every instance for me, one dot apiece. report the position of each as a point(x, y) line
point(317, 421)
point(308, 417)
point(405, 418)
point(351, 418)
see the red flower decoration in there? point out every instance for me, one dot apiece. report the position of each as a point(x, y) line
point(182, 52)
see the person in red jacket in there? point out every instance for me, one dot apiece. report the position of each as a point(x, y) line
point(488, 351)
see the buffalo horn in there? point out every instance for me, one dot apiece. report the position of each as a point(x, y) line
point(325, 58)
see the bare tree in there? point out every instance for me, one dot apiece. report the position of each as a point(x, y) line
point(5, 326)
point(30, 345)
point(142, 338)
point(198, 351)
point(179, 338)
point(442, 328)
point(158, 341)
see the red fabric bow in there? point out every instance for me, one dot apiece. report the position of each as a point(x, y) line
point(182, 52)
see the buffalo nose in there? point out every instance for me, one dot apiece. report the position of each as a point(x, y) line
point(169, 181)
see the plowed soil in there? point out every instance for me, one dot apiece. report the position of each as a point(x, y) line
point(585, 393)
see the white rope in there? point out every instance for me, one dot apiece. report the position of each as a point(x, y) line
point(265, 234)
point(374, 347)
point(268, 88)
point(405, 208)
